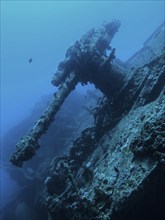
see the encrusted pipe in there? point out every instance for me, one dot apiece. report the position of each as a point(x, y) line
point(28, 145)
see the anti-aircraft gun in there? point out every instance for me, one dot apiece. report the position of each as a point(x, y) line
point(85, 61)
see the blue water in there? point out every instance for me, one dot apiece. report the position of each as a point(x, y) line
point(42, 31)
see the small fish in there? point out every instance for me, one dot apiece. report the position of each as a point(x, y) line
point(30, 60)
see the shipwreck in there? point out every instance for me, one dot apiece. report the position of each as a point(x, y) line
point(115, 169)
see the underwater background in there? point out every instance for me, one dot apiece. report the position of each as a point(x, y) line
point(34, 38)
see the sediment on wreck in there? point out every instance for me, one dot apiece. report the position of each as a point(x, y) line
point(113, 171)
point(118, 165)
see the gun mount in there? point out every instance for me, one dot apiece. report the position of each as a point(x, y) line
point(85, 61)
